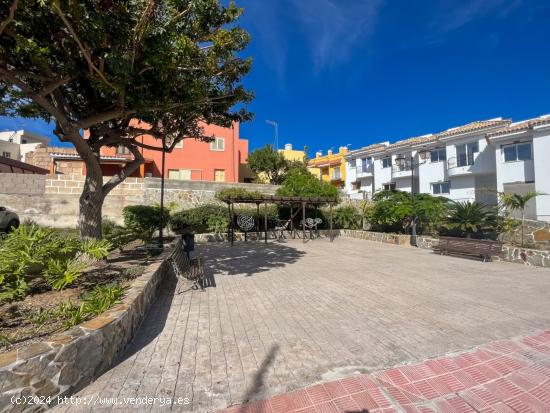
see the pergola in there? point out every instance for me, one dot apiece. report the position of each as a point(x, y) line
point(300, 203)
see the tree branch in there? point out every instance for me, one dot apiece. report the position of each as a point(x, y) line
point(31, 94)
point(104, 117)
point(54, 85)
point(126, 171)
point(83, 49)
point(11, 16)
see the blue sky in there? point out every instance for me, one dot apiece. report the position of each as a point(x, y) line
point(338, 72)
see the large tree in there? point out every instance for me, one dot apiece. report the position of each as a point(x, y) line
point(100, 65)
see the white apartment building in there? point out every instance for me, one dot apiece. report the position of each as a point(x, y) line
point(359, 171)
point(16, 144)
point(521, 152)
point(473, 162)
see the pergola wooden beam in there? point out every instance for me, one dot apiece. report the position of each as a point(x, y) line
point(278, 200)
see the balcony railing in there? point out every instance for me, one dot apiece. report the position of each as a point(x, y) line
point(364, 169)
point(402, 167)
point(461, 160)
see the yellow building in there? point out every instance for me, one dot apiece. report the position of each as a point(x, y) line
point(331, 167)
point(292, 154)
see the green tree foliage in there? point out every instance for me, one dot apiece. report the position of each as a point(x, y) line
point(394, 211)
point(99, 65)
point(272, 164)
point(299, 182)
point(517, 202)
point(267, 161)
point(471, 218)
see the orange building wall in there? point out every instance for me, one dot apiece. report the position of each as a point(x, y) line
point(197, 156)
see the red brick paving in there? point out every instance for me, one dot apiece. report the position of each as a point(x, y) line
point(503, 376)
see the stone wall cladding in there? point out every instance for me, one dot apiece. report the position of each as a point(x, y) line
point(536, 258)
point(69, 361)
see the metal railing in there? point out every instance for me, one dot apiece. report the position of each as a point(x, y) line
point(364, 169)
point(402, 167)
point(461, 160)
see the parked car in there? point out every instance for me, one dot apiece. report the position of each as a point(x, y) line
point(8, 219)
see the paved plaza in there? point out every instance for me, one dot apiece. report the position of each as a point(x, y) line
point(286, 316)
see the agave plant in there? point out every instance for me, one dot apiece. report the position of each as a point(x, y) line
point(469, 217)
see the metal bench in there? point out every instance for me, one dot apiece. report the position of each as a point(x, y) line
point(186, 268)
point(482, 248)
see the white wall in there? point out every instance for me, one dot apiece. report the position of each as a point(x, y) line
point(429, 173)
point(12, 148)
point(541, 152)
point(381, 175)
point(463, 188)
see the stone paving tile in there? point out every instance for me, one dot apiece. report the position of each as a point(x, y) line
point(285, 316)
point(520, 387)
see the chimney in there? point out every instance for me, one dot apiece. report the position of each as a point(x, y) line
point(318, 154)
point(343, 149)
point(329, 152)
point(288, 147)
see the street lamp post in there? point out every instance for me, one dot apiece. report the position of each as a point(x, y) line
point(276, 126)
point(401, 162)
point(161, 235)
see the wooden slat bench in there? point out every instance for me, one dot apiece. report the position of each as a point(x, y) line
point(485, 249)
point(186, 268)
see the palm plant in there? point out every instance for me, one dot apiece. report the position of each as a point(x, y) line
point(469, 217)
point(517, 202)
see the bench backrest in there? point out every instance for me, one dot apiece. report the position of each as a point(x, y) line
point(469, 245)
point(180, 257)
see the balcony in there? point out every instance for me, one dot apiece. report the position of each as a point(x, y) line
point(461, 165)
point(402, 170)
point(364, 171)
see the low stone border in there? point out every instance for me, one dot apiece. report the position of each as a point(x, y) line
point(536, 258)
point(70, 360)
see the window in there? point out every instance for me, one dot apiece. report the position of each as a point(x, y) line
point(356, 186)
point(218, 144)
point(441, 188)
point(219, 175)
point(6, 154)
point(23, 141)
point(465, 153)
point(389, 187)
point(438, 155)
point(352, 163)
point(517, 152)
point(122, 150)
point(179, 174)
point(364, 164)
point(386, 162)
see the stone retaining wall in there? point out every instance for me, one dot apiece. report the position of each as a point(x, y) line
point(67, 362)
point(53, 200)
point(536, 258)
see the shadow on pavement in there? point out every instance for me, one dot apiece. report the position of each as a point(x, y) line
point(248, 258)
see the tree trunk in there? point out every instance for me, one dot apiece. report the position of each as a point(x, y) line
point(91, 203)
point(522, 225)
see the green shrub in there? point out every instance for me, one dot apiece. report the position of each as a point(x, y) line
point(32, 254)
point(144, 220)
point(394, 211)
point(217, 224)
point(196, 219)
point(227, 193)
point(347, 217)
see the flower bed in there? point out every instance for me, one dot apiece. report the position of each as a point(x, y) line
point(64, 363)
